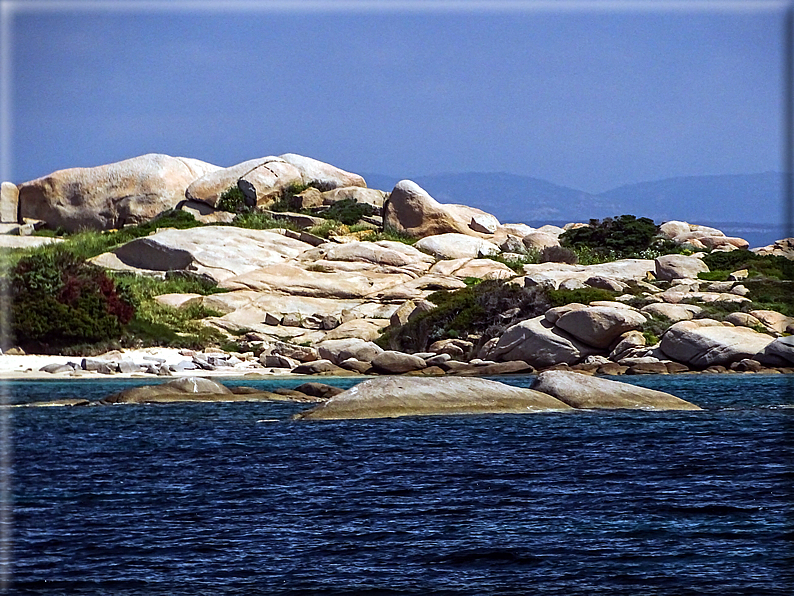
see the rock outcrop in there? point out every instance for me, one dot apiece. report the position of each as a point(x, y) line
point(456, 246)
point(262, 180)
point(583, 391)
point(390, 397)
point(705, 342)
point(541, 344)
point(9, 203)
point(110, 196)
point(412, 211)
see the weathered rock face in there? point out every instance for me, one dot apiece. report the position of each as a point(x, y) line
point(540, 240)
point(221, 252)
point(290, 279)
point(670, 267)
point(320, 174)
point(411, 210)
point(541, 344)
point(479, 268)
point(267, 176)
point(781, 248)
point(583, 391)
point(706, 342)
point(184, 389)
point(674, 312)
point(390, 397)
point(395, 363)
point(9, 202)
point(782, 347)
point(339, 350)
point(110, 196)
point(772, 320)
point(599, 326)
point(370, 196)
point(556, 273)
point(456, 246)
point(384, 252)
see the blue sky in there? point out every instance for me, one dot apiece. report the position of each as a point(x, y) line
point(588, 98)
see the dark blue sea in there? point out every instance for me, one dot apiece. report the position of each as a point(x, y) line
point(238, 499)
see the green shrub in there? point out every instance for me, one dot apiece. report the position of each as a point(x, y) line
point(234, 200)
point(715, 275)
point(765, 265)
point(261, 221)
point(348, 211)
point(57, 300)
point(475, 310)
point(621, 237)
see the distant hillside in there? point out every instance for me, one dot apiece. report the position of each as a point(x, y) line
point(745, 198)
point(749, 198)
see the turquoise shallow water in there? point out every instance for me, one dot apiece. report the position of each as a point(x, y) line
point(209, 499)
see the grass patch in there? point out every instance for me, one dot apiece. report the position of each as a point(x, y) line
point(757, 265)
point(261, 221)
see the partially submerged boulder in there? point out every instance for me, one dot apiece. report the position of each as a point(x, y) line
point(390, 397)
point(584, 391)
point(110, 196)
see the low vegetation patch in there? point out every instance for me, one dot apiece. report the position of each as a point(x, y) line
point(616, 238)
point(478, 312)
point(722, 264)
point(57, 300)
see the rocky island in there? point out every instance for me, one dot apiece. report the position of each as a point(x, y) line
point(288, 265)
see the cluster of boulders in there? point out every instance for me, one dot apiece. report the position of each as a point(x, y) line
point(390, 397)
point(297, 297)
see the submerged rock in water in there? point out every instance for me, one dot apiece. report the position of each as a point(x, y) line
point(583, 391)
point(391, 397)
point(195, 389)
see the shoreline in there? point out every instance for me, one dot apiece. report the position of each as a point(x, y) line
point(27, 368)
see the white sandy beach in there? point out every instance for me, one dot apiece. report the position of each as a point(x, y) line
point(28, 366)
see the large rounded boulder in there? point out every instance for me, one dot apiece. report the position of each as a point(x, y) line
point(704, 342)
point(600, 326)
point(390, 397)
point(412, 211)
point(110, 196)
point(583, 391)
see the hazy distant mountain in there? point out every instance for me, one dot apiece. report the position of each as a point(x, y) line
point(750, 198)
point(747, 198)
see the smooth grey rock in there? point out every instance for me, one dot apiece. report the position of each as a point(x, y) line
point(599, 326)
point(669, 267)
point(540, 344)
point(704, 343)
point(456, 246)
point(394, 363)
point(782, 347)
point(337, 350)
point(390, 397)
point(583, 391)
point(317, 367)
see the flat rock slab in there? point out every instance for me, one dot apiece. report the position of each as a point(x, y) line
point(391, 397)
point(587, 392)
